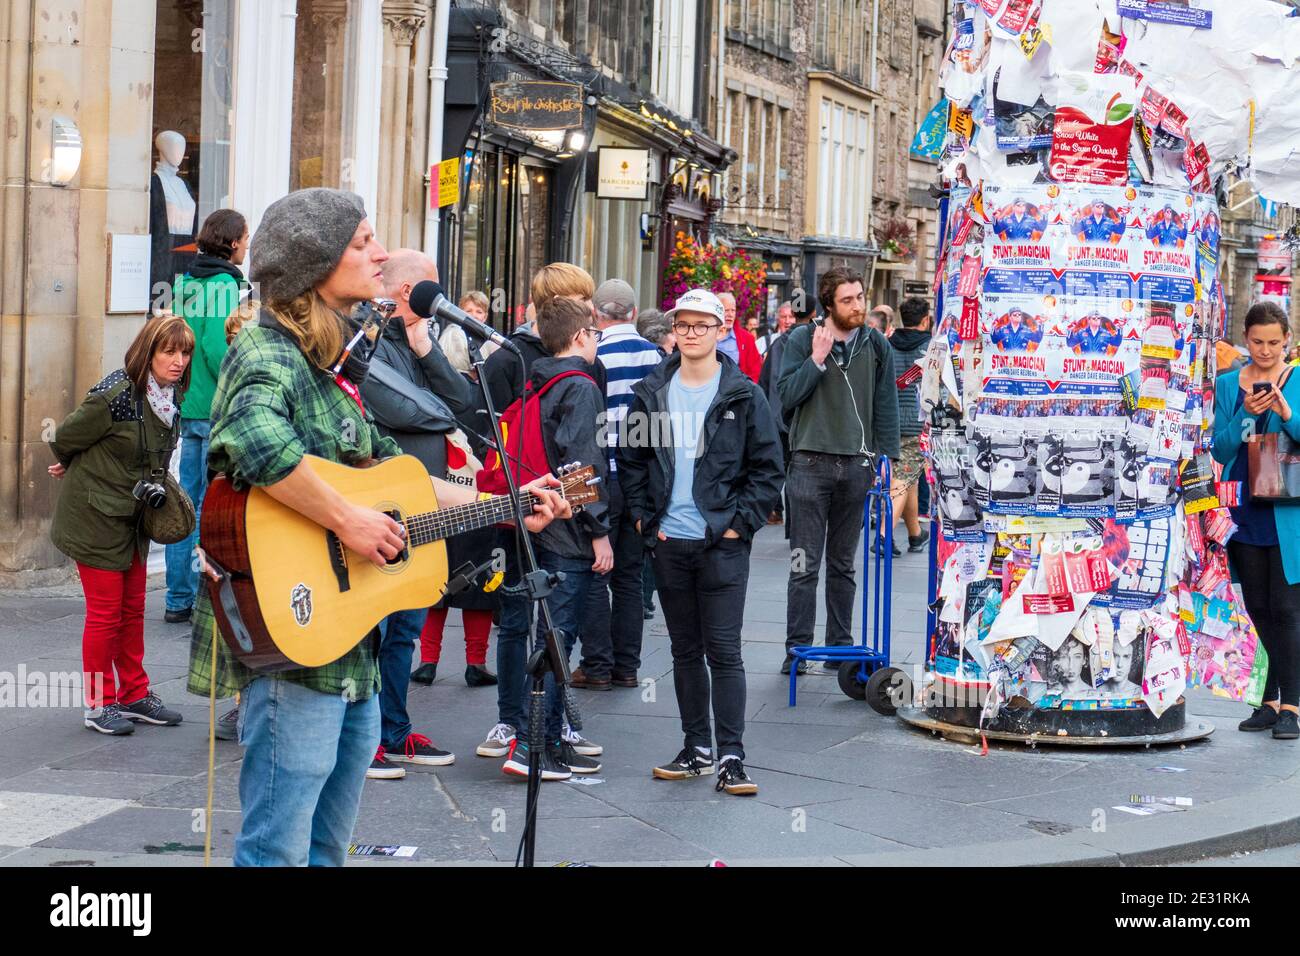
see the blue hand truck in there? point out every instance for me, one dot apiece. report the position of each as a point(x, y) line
point(865, 672)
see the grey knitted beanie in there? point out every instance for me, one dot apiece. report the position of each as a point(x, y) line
point(301, 239)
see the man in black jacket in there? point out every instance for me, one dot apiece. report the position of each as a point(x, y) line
point(839, 394)
point(414, 395)
point(700, 464)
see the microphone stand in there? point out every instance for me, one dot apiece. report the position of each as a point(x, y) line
point(548, 653)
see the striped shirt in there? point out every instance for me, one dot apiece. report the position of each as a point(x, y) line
point(627, 358)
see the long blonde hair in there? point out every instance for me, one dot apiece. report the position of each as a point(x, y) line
point(314, 325)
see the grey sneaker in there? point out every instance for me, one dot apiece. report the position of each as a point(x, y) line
point(498, 741)
point(228, 725)
point(150, 709)
point(588, 748)
point(564, 754)
point(109, 720)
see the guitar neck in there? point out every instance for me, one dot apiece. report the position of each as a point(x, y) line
point(447, 522)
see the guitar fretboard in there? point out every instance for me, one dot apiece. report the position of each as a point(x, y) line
point(446, 522)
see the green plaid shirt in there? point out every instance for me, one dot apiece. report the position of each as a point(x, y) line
point(272, 407)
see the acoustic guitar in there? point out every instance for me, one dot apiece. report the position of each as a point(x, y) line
point(291, 595)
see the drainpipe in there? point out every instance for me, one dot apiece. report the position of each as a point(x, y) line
point(437, 110)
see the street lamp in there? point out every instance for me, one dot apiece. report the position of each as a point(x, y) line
point(65, 151)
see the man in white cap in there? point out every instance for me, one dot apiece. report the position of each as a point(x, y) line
point(700, 466)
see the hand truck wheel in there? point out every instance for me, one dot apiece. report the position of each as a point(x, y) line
point(851, 682)
point(887, 690)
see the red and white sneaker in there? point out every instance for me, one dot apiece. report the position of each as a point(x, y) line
point(516, 764)
point(381, 769)
point(419, 749)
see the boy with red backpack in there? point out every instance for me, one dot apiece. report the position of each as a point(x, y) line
point(568, 405)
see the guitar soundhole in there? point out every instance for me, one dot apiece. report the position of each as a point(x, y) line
point(405, 554)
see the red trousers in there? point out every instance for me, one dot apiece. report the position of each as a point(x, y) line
point(113, 640)
point(478, 625)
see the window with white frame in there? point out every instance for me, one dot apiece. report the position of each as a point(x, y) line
point(757, 129)
point(842, 38)
point(844, 171)
point(674, 59)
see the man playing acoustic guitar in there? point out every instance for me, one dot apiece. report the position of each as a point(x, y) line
point(289, 388)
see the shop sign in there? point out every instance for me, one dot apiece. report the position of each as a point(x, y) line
point(129, 258)
point(447, 175)
point(623, 173)
point(537, 105)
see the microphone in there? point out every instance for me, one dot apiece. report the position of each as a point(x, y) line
point(429, 300)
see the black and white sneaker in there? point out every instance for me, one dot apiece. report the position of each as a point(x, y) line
point(733, 779)
point(381, 768)
point(150, 709)
point(564, 754)
point(228, 725)
point(109, 720)
point(516, 764)
point(419, 749)
point(691, 762)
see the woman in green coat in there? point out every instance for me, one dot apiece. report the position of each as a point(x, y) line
point(112, 452)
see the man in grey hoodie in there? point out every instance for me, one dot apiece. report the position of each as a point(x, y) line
point(839, 396)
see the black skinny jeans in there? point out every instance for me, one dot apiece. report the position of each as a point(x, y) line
point(1274, 606)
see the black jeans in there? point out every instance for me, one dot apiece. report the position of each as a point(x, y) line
point(702, 593)
point(826, 495)
point(611, 639)
point(1274, 606)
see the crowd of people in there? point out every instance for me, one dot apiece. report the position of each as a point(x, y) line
point(780, 425)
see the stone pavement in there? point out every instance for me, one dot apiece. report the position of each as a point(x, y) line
point(839, 784)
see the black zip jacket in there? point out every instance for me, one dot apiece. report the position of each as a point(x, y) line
point(738, 471)
point(572, 413)
point(502, 369)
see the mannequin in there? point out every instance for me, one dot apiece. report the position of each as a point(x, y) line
point(173, 213)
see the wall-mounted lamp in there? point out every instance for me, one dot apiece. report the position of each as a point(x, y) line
point(577, 141)
point(65, 152)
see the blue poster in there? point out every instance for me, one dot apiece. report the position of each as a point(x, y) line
point(932, 135)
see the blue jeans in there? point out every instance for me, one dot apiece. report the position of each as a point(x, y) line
point(182, 575)
point(398, 634)
point(305, 760)
point(567, 602)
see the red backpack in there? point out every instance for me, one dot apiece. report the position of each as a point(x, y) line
point(533, 461)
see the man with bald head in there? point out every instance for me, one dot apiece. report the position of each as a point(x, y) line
point(415, 395)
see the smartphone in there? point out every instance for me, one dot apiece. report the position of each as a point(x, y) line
point(1259, 387)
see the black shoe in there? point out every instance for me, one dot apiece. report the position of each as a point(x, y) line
point(880, 551)
point(733, 779)
point(425, 674)
point(689, 763)
point(476, 676)
point(831, 665)
point(178, 617)
point(1264, 718)
point(917, 545)
point(564, 754)
point(109, 720)
point(516, 764)
point(228, 725)
point(1287, 726)
point(381, 768)
point(150, 709)
point(648, 614)
point(419, 749)
point(800, 668)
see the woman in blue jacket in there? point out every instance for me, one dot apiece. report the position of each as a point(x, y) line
point(1265, 551)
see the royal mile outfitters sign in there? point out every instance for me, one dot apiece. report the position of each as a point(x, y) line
point(537, 105)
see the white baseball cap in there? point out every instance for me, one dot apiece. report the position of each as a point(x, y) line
point(698, 300)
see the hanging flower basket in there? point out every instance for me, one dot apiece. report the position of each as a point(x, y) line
point(696, 265)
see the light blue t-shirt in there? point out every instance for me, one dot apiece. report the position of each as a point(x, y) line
point(687, 408)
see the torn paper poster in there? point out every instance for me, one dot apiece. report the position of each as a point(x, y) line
point(1093, 127)
point(1165, 678)
point(1186, 13)
point(370, 849)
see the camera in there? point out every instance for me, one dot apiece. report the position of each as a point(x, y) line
point(152, 493)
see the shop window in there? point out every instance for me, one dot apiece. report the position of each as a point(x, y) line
point(321, 149)
point(191, 138)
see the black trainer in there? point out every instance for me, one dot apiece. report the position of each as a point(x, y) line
point(1263, 718)
point(1287, 726)
point(733, 779)
point(917, 544)
point(801, 668)
point(178, 617)
point(109, 720)
point(516, 764)
point(150, 709)
point(564, 754)
point(689, 763)
point(228, 725)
